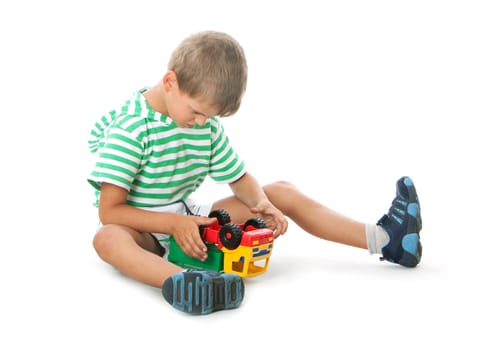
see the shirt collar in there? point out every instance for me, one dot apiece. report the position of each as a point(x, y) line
point(148, 110)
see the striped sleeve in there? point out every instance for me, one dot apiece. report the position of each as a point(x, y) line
point(97, 134)
point(118, 160)
point(225, 165)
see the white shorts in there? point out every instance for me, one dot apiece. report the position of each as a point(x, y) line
point(187, 207)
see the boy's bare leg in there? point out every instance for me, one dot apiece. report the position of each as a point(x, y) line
point(309, 214)
point(134, 254)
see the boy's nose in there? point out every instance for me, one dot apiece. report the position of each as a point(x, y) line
point(200, 121)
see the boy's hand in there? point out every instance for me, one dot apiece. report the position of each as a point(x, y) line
point(187, 236)
point(273, 217)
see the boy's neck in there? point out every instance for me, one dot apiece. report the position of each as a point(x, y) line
point(156, 98)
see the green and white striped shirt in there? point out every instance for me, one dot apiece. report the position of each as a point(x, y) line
point(157, 162)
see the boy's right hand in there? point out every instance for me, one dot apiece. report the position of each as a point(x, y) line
point(187, 235)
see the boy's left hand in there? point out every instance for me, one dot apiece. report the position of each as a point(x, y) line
point(273, 217)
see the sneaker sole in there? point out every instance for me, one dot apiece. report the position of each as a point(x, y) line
point(413, 208)
point(411, 245)
point(200, 294)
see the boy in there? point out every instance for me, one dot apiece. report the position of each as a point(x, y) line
point(156, 150)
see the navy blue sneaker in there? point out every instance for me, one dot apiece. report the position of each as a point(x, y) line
point(202, 292)
point(403, 224)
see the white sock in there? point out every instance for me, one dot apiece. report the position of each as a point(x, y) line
point(377, 238)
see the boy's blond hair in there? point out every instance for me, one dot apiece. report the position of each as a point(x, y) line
point(211, 66)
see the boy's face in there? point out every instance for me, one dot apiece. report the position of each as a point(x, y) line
point(186, 111)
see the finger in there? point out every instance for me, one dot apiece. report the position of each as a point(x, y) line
point(205, 220)
point(192, 245)
point(195, 250)
point(285, 226)
point(278, 232)
point(281, 228)
point(198, 247)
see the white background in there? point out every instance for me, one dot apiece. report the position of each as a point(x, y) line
point(344, 97)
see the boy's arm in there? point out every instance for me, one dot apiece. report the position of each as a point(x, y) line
point(249, 191)
point(185, 229)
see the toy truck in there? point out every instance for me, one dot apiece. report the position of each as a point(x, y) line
point(242, 249)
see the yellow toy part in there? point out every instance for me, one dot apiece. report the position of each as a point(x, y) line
point(249, 260)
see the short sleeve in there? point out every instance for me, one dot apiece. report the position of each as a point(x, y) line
point(225, 164)
point(118, 159)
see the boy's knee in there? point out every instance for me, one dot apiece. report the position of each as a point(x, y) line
point(280, 194)
point(279, 187)
point(103, 240)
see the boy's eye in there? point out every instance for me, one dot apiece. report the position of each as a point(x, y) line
point(198, 114)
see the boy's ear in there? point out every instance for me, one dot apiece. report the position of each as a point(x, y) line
point(170, 80)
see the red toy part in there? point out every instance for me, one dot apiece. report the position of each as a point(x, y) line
point(256, 237)
point(247, 247)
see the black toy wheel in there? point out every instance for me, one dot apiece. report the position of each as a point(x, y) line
point(255, 222)
point(230, 236)
point(221, 215)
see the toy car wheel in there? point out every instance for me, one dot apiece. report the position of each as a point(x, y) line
point(221, 215)
point(230, 236)
point(255, 222)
